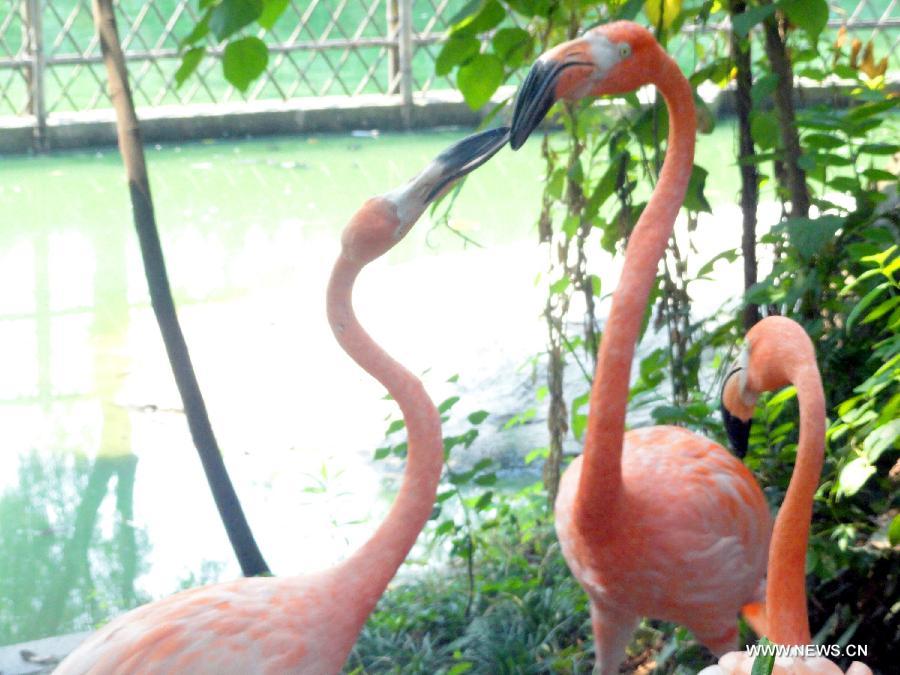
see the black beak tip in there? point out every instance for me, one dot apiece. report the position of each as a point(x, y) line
point(738, 432)
point(535, 99)
point(466, 155)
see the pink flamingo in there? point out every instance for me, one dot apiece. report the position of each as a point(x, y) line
point(777, 353)
point(658, 521)
point(308, 624)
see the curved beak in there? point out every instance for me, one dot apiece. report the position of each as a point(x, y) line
point(737, 429)
point(539, 93)
point(738, 432)
point(464, 157)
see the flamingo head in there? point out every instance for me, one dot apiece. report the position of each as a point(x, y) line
point(737, 403)
point(385, 220)
point(614, 58)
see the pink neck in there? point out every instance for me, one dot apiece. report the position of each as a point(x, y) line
point(601, 474)
point(365, 575)
point(788, 620)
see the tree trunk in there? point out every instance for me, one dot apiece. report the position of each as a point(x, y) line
point(776, 50)
point(131, 147)
point(740, 54)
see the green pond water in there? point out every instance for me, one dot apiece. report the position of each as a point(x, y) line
point(103, 504)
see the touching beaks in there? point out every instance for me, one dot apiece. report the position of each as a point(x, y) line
point(464, 157)
point(537, 96)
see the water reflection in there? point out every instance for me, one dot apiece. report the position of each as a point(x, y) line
point(66, 563)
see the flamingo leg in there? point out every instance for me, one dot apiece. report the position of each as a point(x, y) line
point(612, 633)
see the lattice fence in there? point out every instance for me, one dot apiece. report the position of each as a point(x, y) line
point(50, 58)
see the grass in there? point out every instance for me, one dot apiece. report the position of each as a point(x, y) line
point(528, 615)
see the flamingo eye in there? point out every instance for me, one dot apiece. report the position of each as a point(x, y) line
point(624, 50)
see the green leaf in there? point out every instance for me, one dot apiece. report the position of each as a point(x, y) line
point(381, 453)
point(559, 285)
point(486, 479)
point(394, 426)
point(867, 300)
point(810, 15)
point(809, 236)
point(244, 60)
point(879, 148)
point(484, 500)
point(198, 32)
point(763, 664)
point(464, 12)
point(894, 531)
point(729, 254)
point(537, 453)
point(604, 188)
point(444, 496)
point(512, 45)
point(482, 464)
point(490, 15)
point(229, 16)
point(764, 129)
point(444, 528)
point(742, 23)
point(460, 668)
point(881, 439)
point(456, 50)
point(823, 141)
point(694, 199)
point(272, 11)
point(629, 10)
point(447, 404)
point(763, 89)
point(854, 475)
point(479, 79)
point(189, 62)
point(478, 417)
point(882, 309)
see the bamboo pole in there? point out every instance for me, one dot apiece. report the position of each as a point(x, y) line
point(131, 147)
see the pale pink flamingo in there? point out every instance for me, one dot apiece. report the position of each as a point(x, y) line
point(777, 353)
point(658, 521)
point(308, 624)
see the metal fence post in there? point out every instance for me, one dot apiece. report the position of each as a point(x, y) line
point(35, 73)
point(406, 56)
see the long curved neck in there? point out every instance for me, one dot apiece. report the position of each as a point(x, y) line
point(601, 474)
point(365, 575)
point(788, 620)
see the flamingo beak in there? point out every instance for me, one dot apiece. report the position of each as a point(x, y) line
point(537, 96)
point(738, 430)
point(464, 157)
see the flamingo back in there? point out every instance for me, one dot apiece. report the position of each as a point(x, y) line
point(258, 625)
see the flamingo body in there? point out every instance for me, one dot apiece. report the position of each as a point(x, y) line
point(689, 537)
point(259, 625)
point(308, 624)
point(778, 352)
point(656, 522)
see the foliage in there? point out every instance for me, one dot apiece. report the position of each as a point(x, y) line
point(225, 23)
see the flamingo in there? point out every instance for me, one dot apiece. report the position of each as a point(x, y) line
point(308, 624)
point(778, 352)
point(658, 521)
